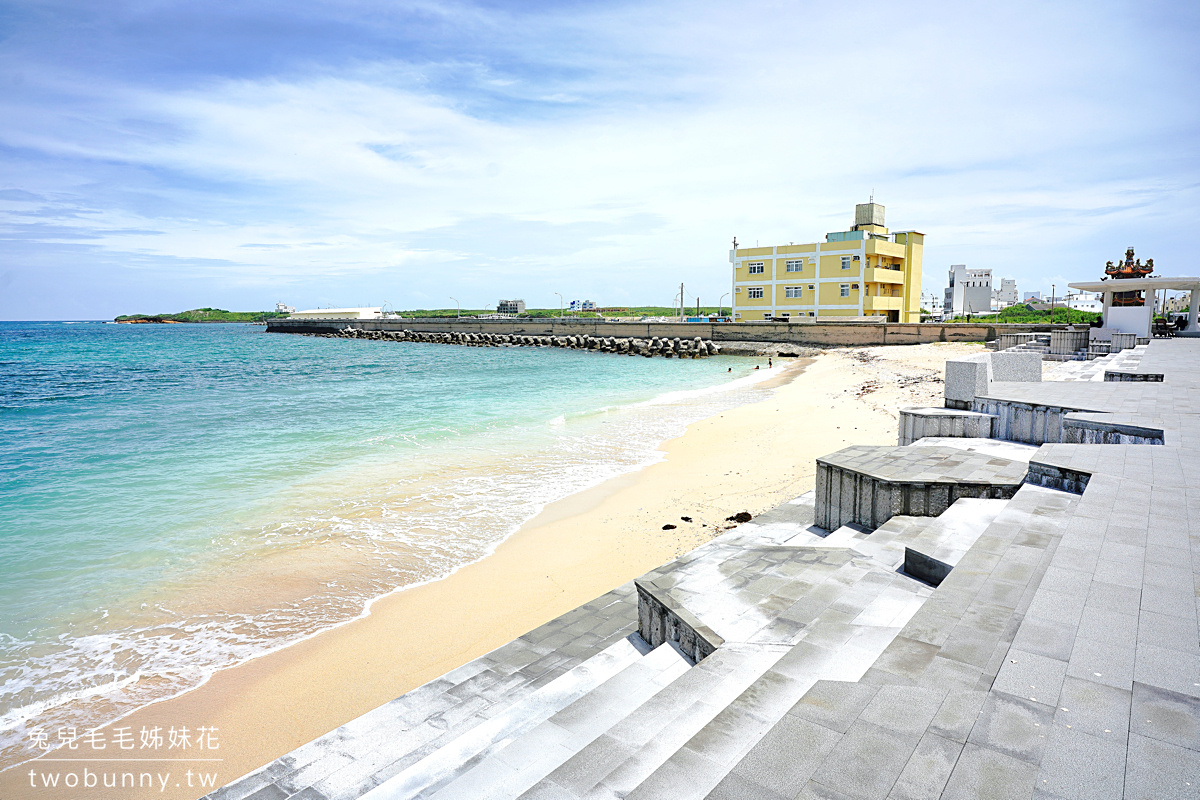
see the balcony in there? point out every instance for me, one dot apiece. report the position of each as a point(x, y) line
point(884, 275)
point(880, 247)
point(883, 303)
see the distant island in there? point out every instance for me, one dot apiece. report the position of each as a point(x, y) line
point(200, 315)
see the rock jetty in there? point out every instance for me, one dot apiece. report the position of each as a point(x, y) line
point(654, 346)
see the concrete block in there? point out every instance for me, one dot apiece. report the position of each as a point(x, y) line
point(1016, 367)
point(966, 378)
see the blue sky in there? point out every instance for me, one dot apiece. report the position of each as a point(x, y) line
point(157, 155)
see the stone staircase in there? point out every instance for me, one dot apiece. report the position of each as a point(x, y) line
point(511, 752)
point(583, 707)
point(1125, 360)
point(366, 752)
point(1040, 344)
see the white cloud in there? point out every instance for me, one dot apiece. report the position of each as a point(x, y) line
point(636, 141)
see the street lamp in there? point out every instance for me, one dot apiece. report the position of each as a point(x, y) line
point(721, 304)
point(458, 312)
point(560, 305)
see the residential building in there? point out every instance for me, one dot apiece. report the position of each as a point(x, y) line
point(865, 271)
point(931, 302)
point(510, 306)
point(1086, 301)
point(582, 305)
point(1006, 295)
point(969, 292)
point(284, 308)
point(1178, 303)
point(1027, 296)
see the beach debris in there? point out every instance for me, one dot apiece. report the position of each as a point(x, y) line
point(619, 345)
point(668, 527)
point(740, 517)
point(863, 356)
point(686, 519)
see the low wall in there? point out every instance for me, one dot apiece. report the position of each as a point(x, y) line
point(660, 620)
point(1023, 422)
point(815, 334)
point(919, 423)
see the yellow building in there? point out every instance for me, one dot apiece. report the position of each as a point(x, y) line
point(862, 272)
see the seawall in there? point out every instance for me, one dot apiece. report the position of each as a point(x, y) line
point(815, 334)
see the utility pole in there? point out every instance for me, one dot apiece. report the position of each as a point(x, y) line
point(681, 302)
point(697, 306)
point(732, 279)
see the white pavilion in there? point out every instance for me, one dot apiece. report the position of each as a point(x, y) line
point(1130, 298)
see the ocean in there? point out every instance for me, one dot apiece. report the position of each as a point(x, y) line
point(175, 499)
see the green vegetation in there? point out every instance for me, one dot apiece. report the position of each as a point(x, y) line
point(203, 315)
point(1022, 314)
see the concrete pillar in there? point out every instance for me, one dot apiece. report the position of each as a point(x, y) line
point(1192, 307)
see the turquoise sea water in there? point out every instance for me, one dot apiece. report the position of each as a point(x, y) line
point(178, 498)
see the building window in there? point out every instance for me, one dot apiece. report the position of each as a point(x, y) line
point(795, 266)
point(811, 287)
point(845, 290)
point(845, 262)
point(754, 293)
point(793, 291)
point(756, 267)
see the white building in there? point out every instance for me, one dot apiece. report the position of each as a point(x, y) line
point(510, 306)
point(932, 303)
point(1006, 295)
point(969, 292)
point(1086, 301)
point(339, 313)
point(583, 305)
point(282, 308)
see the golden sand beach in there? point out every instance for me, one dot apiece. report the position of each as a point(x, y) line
point(751, 458)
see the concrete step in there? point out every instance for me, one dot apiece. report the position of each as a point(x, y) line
point(630, 750)
point(368, 750)
point(869, 484)
point(780, 523)
point(844, 536)
point(867, 609)
point(945, 537)
point(521, 762)
point(483, 738)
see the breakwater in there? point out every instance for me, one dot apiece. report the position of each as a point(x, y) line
point(732, 337)
point(664, 347)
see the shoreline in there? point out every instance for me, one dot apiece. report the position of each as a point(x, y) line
point(751, 457)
